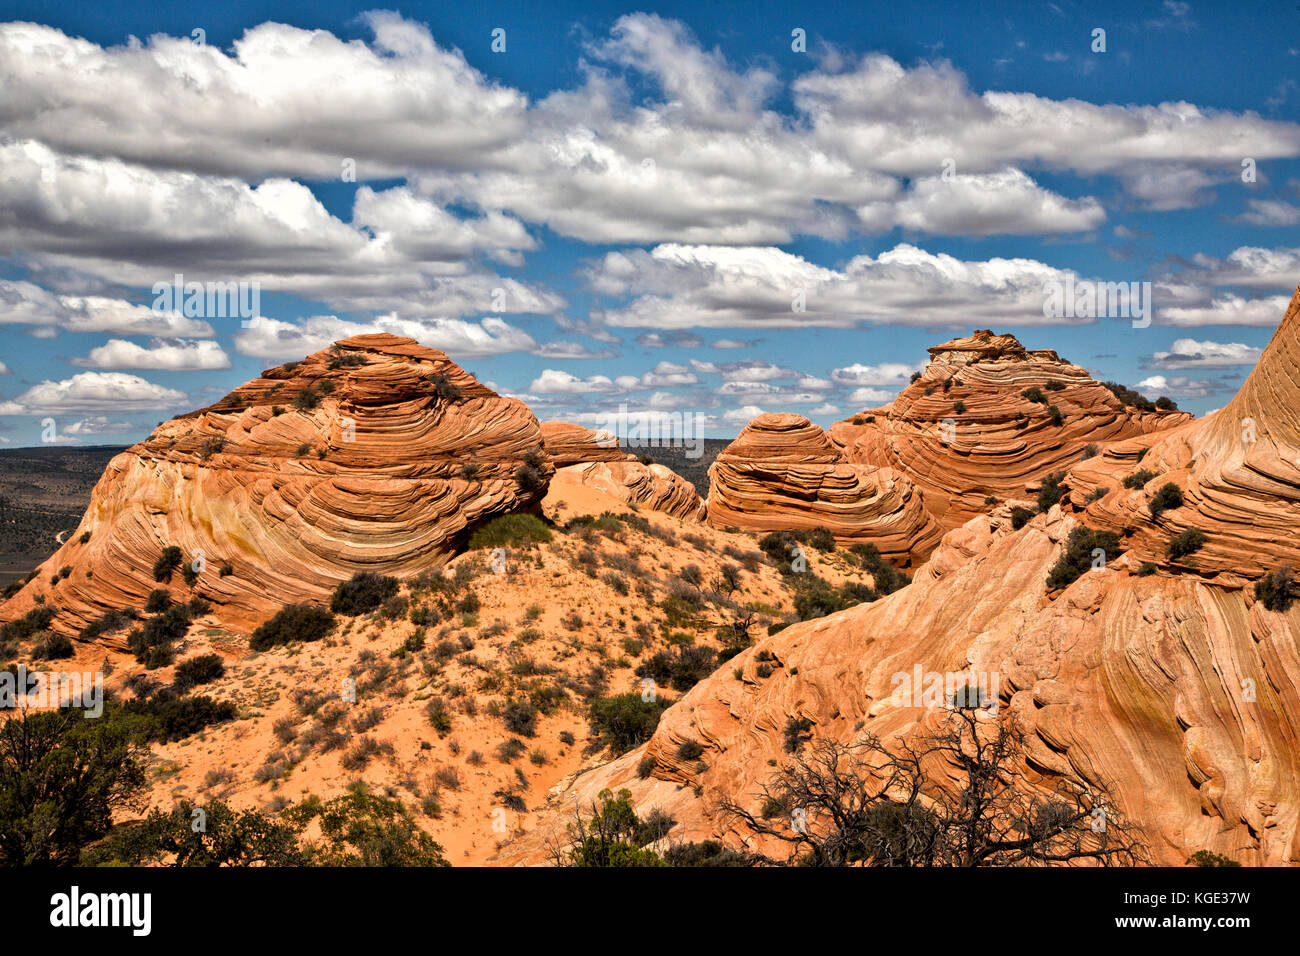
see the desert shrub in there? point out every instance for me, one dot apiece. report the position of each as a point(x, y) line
point(1206, 858)
point(887, 578)
point(363, 592)
point(167, 563)
point(680, 668)
point(1189, 542)
point(152, 642)
point(1139, 478)
point(107, 623)
point(798, 731)
point(517, 530)
point(646, 766)
point(1051, 491)
point(364, 829)
point(202, 669)
point(689, 750)
point(1169, 495)
point(1147, 569)
point(1274, 589)
point(1035, 394)
point(296, 622)
point(1055, 415)
point(1129, 397)
point(395, 607)
point(444, 387)
point(1055, 385)
point(345, 360)
point(439, 715)
point(1020, 517)
point(1166, 404)
point(520, 717)
point(35, 620)
point(624, 722)
point(168, 717)
point(54, 647)
point(959, 406)
point(307, 398)
point(1078, 555)
point(85, 536)
point(511, 749)
point(359, 755)
point(530, 478)
point(159, 600)
point(821, 539)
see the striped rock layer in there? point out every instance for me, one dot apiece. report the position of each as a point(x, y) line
point(1177, 689)
point(275, 499)
point(783, 473)
point(965, 431)
point(655, 487)
point(570, 444)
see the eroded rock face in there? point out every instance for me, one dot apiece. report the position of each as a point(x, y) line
point(1176, 688)
point(376, 454)
point(1238, 470)
point(654, 486)
point(570, 444)
point(965, 430)
point(783, 473)
point(1133, 681)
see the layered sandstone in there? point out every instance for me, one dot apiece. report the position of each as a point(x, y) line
point(656, 487)
point(1174, 688)
point(570, 444)
point(1238, 470)
point(965, 430)
point(377, 454)
point(783, 473)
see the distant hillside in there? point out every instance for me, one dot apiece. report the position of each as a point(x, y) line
point(694, 470)
point(43, 491)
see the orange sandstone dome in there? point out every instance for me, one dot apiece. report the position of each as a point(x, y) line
point(376, 454)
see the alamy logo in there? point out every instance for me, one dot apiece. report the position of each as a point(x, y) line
point(74, 909)
point(951, 689)
point(208, 300)
point(48, 689)
point(1084, 299)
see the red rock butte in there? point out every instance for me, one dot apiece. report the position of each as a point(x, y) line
point(376, 454)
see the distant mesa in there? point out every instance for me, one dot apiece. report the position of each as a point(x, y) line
point(376, 454)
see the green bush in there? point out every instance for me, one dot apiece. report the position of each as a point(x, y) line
point(1035, 394)
point(297, 622)
point(1078, 555)
point(624, 722)
point(1274, 590)
point(34, 621)
point(363, 592)
point(199, 670)
point(168, 717)
point(516, 530)
point(680, 668)
point(62, 778)
point(1139, 478)
point(54, 647)
point(1206, 858)
point(159, 600)
point(1051, 491)
point(107, 623)
point(167, 563)
point(822, 539)
point(1020, 517)
point(1169, 495)
point(520, 717)
point(1189, 542)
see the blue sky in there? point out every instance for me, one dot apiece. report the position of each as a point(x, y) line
point(622, 207)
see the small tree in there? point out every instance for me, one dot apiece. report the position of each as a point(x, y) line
point(61, 778)
point(956, 797)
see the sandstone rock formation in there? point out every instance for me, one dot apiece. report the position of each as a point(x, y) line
point(653, 486)
point(982, 420)
point(375, 454)
point(570, 444)
point(783, 473)
point(1177, 689)
point(594, 458)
